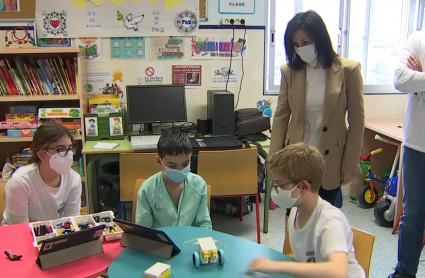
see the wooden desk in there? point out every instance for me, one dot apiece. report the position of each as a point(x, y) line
point(391, 128)
point(90, 155)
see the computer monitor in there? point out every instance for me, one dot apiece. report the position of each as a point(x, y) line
point(154, 104)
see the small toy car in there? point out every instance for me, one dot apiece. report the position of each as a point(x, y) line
point(207, 253)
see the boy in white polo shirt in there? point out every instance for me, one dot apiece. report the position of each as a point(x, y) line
point(319, 233)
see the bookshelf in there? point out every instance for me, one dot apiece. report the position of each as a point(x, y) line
point(23, 65)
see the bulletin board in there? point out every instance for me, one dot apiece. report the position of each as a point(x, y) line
point(26, 11)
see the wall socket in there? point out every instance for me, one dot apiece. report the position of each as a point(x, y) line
point(236, 21)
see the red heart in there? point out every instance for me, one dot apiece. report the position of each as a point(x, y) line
point(55, 23)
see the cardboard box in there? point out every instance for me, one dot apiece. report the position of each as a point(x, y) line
point(19, 125)
point(16, 133)
point(21, 117)
point(56, 113)
point(158, 270)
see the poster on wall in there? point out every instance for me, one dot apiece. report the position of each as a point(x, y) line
point(58, 42)
point(190, 76)
point(218, 47)
point(150, 74)
point(92, 46)
point(236, 7)
point(128, 48)
point(167, 48)
point(221, 75)
point(116, 18)
point(106, 81)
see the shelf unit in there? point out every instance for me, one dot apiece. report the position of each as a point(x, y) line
point(79, 100)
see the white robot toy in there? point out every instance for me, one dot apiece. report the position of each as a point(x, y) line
point(207, 252)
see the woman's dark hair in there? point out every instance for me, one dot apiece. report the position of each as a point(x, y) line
point(314, 25)
point(45, 135)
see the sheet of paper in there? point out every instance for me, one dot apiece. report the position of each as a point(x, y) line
point(108, 146)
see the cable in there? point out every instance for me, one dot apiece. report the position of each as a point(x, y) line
point(243, 71)
point(231, 52)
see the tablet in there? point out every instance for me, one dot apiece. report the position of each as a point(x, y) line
point(145, 232)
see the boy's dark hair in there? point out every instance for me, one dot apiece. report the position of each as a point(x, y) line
point(312, 23)
point(45, 135)
point(173, 142)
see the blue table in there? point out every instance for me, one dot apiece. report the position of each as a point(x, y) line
point(239, 253)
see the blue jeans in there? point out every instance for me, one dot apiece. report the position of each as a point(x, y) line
point(411, 232)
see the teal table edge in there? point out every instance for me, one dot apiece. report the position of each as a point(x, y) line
point(238, 252)
point(264, 155)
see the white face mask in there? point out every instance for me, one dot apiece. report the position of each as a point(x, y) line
point(307, 53)
point(61, 165)
point(283, 198)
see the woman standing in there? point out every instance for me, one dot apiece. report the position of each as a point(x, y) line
point(319, 91)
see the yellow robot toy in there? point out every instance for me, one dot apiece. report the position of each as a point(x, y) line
point(207, 252)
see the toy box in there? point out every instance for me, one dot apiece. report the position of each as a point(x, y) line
point(55, 113)
point(47, 229)
point(19, 117)
point(158, 270)
point(23, 109)
point(69, 123)
point(104, 126)
point(19, 125)
point(16, 133)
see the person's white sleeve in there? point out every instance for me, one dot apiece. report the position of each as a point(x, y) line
point(332, 238)
point(73, 204)
point(405, 79)
point(17, 202)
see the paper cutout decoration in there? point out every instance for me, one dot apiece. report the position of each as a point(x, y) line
point(186, 22)
point(170, 4)
point(79, 4)
point(54, 23)
point(265, 107)
point(137, 1)
point(116, 2)
point(97, 2)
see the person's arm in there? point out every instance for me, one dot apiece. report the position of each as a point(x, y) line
point(202, 218)
point(144, 214)
point(332, 246)
point(281, 118)
point(73, 204)
point(356, 122)
point(17, 200)
point(407, 80)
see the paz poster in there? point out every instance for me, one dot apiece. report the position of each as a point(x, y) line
point(116, 18)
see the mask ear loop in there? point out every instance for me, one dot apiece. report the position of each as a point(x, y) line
point(219, 243)
point(189, 241)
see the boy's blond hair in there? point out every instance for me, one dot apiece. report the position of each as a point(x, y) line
point(299, 162)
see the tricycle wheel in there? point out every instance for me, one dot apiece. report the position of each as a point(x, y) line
point(379, 213)
point(196, 259)
point(221, 258)
point(366, 200)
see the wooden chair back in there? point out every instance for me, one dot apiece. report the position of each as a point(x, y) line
point(134, 166)
point(2, 199)
point(209, 195)
point(137, 186)
point(363, 243)
point(230, 172)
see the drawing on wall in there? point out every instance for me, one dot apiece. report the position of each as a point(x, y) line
point(54, 23)
point(54, 42)
point(218, 47)
point(93, 47)
point(190, 76)
point(106, 81)
point(91, 126)
point(150, 74)
point(128, 48)
point(265, 107)
point(115, 126)
point(9, 6)
point(222, 74)
point(116, 18)
point(167, 48)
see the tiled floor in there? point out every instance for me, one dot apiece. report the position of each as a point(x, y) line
point(385, 251)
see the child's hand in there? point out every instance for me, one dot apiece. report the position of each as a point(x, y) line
point(262, 265)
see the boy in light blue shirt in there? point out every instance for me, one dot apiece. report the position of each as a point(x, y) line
point(174, 196)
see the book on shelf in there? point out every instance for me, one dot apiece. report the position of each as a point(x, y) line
point(38, 76)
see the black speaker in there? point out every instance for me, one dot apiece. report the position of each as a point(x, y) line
point(220, 109)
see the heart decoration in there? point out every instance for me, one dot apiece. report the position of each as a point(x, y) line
point(55, 23)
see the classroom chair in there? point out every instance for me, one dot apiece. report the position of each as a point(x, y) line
point(363, 243)
point(232, 173)
point(2, 199)
point(137, 186)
